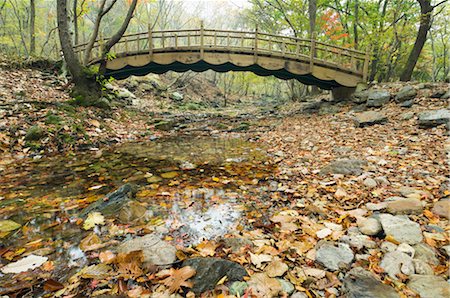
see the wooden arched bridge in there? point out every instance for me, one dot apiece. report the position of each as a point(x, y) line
point(309, 61)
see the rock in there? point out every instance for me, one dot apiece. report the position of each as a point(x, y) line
point(414, 193)
point(405, 206)
point(286, 286)
point(401, 229)
point(299, 295)
point(361, 97)
point(334, 257)
point(446, 248)
point(377, 206)
point(369, 118)
point(388, 246)
point(324, 233)
point(434, 118)
point(155, 250)
point(176, 96)
point(34, 133)
point(359, 283)
point(446, 95)
point(406, 249)
point(358, 241)
point(407, 104)
point(134, 211)
point(164, 125)
point(429, 286)
point(405, 94)
point(397, 262)
point(124, 94)
point(425, 253)
point(407, 116)
point(311, 107)
point(237, 288)
point(378, 98)
point(438, 94)
point(422, 268)
point(345, 167)
point(370, 183)
point(369, 226)
point(237, 244)
point(211, 270)
point(442, 208)
point(111, 203)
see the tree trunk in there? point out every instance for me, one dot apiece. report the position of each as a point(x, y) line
point(75, 22)
point(85, 87)
point(117, 36)
point(425, 20)
point(312, 12)
point(32, 27)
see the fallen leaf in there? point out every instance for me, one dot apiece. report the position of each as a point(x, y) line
point(257, 260)
point(107, 257)
point(93, 219)
point(276, 268)
point(52, 285)
point(129, 264)
point(177, 278)
point(98, 271)
point(25, 264)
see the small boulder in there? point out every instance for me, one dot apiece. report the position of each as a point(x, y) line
point(369, 226)
point(361, 97)
point(177, 96)
point(334, 257)
point(407, 116)
point(370, 183)
point(345, 167)
point(397, 262)
point(378, 98)
point(407, 104)
point(155, 250)
point(405, 94)
point(434, 118)
point(429, 286)
point(211, 270)
point(369, 118)
point(404, 206)
point(425, 253)
point(401, 228)
point(34, 133)
point(360, 283)
point(442, 208)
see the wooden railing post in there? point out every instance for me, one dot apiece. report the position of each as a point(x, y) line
point(297, 48)
point(176, 40)
point(312, 54)
point(215, 39)
point(366, 64)
point(256, 44)
point(202, 41)
point(189, 39)
point(150, 41)
point(163, 42)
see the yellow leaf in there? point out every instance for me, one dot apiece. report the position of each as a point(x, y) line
point(93, 219)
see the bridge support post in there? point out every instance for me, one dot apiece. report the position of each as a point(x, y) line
point(342, 93)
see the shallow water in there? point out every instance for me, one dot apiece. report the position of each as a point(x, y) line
point(193, 186)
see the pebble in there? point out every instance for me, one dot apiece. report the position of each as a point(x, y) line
point(370, 183)
point(407, 249)
point(334, 257)
point(377, 206)
point(369, 226)
point(388, 247)
point(442, 208)
point(425, 253)
point(422, 268)
point(324, 233)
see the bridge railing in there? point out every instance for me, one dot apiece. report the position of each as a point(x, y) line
point(250, 42)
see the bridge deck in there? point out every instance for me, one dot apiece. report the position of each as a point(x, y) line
point(309, 61)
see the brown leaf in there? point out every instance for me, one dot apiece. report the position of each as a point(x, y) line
point(177, 278)
point(52, 285)
point(129, 264)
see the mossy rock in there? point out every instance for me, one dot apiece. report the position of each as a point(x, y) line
point(244, 126)
point(164, 125)
point(53, 119)
point(34, 133)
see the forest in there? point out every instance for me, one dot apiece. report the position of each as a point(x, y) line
point(225, 148)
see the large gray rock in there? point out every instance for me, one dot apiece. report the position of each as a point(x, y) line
point(155, 250)
point(359, 283)
point(405, 94)
point(334, 257)
point(361, 97)
point(111, 203)
point(211, 270)
point(397, 262)
point(434, 118)
point(369, 118)
point(429, 286)
point(426, 253)
point(401, 229)
point(378, 98)
point(345, 167)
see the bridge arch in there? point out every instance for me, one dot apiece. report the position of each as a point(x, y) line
point(308, 61)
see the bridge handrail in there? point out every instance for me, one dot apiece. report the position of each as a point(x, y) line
point(260, 43)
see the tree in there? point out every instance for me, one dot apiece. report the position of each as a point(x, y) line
point(426, 10)
point(32, 27)
point(84, 84)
